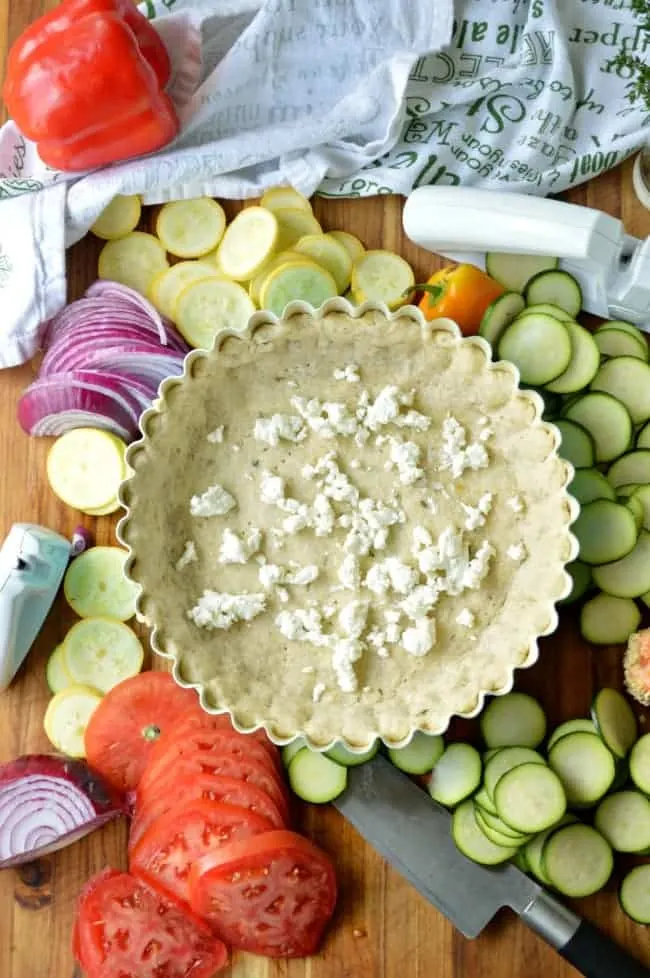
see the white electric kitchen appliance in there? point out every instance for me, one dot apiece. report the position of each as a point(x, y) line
point(463, 223)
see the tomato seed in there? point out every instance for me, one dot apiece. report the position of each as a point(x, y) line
point(250, 892)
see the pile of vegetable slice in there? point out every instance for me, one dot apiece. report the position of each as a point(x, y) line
point(98, 652)
point(105, 356)
point(266, 257)
point(211, 830)
point(596, 388)
point(515, 803)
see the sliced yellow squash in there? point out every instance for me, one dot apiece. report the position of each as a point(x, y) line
point(191, 228)
point(382, 276)
point(119, 218)
point(133, 260)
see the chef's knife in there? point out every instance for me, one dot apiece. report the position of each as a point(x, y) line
point(463, 223)
point(413, 833)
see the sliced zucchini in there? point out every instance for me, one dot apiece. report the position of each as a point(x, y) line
point(627, 379)
point(619, 343)
point(420, 755)
point(637, 509)
point(641, 494)
point(606, 532)
point(290, 750)
point(606, 419)
point(634, 894)
point(519, 860)
point(95, 584)
point(513, 720)
point(347, 758)
point(615, 720)
point(515, 271)
point(584, 363)
point(590, 484)
point(606, 620)
point(101, 652)
point(530, 798)
point(483, 801)
point(628, 577)
point(624, 820)
point(494, 835)
point(301, 279)
point(498, 315)
point(538, 345)
point(580, 575)
point(624, 492)
point(58, 677)
point(504, 761)
point(577, 445)
point(472, 842)
point(577, 860)
point(581, 725)
point(330, 253)
point(643, 437)
point(584, 765)
point(632, 467)
point(533, 849)
point(557, 287)
point(456, 775)
point(498, 825)
point(640, 764)
point(551, 310)
point(316, 778)
point(624, 326)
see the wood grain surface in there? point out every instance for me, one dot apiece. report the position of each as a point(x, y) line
point(382, 928)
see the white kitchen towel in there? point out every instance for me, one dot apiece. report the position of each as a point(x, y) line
point(347, 97)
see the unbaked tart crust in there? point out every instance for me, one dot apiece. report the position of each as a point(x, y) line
point(388, 532)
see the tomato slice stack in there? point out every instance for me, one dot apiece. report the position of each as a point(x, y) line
point(210, 840)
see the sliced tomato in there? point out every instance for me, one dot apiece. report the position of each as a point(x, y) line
point(126, 929)
point(169, 847)
point(209, 762)
point(166, 754)
point(218, 721)
point(272, 894)
point(124, 728)
point(208, 787)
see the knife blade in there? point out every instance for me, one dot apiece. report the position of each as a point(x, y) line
point(413, 833)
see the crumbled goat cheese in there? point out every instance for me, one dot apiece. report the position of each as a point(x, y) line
point(218, 609)
point(270, 575)
point(327, 419)
point(350, 572)
point(516, 551)
point(419, 638)
point(485, 434)
point(271, 489)
point(368, 526)
point(215, 501)
point(239, 550)
point(279, 427)
point(449, 563)
point(349, 372)
point(332, 482)
point(303, 625)
point(391, 573)
point(475, 515)
point(465, 618)
point(346, 652)
point(188, 556)
point(317, 692)
point(353, 617)
point(516, 504)
point(216, 437)
point(404, 456)
point(323, 517)
point(419, 602)
point(456, 455)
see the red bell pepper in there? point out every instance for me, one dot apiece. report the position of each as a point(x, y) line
point(86, 83)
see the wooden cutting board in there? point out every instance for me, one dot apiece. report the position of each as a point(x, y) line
point(382, 928)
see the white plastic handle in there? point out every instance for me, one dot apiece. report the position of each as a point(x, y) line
point(11, 601)
point(465, 219)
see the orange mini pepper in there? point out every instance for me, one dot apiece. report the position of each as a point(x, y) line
point(461, 293)
point(86, 83)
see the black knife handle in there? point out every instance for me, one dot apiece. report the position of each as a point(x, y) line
point(596, 956)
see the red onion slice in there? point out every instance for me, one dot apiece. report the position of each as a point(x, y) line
point(47, 802)
point(54, 405)
point(113, 290)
